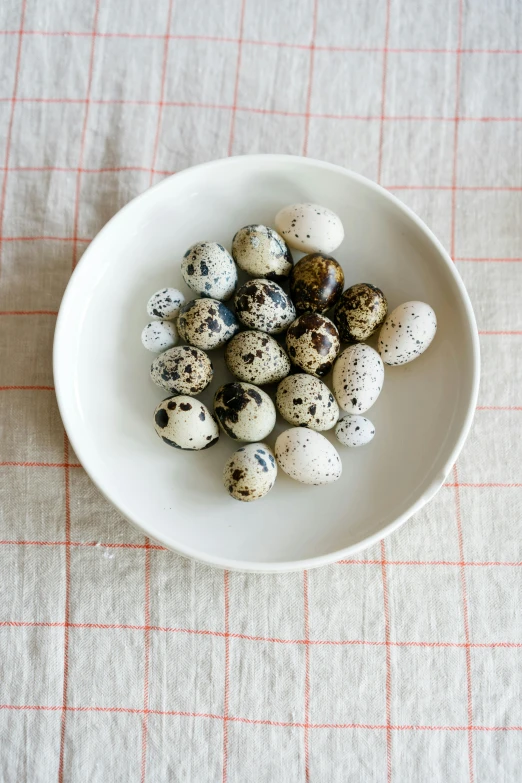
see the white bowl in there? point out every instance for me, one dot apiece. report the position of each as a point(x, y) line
point(107, 399)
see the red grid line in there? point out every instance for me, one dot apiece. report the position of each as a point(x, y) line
point(383, 90)
point(456, 132)
point(504, 332)
point(26, 388)
point(28, 312)
point(12, 464)
point(310, 84)
point(67, 609)
point(227, 674)
point(146, 663)
point(162, 93)
point(236, 82)
point(306, 614)
point(388, 663)
point(13, 100)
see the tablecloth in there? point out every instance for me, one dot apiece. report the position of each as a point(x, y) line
point(120, 661)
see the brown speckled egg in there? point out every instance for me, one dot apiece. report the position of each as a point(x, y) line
point(207, 324)
point(250, 472)
point(263, 305)
point(255, 357)
point(185, 370)
point(312, 342)
point(306, 401)
point(261, 252)
point(316, 283)
point(359, 312)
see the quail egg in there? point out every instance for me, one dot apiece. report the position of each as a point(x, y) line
point(354, 431)
point(207, 323)
point(407, 332)
point(159, 336)
point(307, 456)
point(250, 472)
point(165, 304)
point(359, 312)
point(316, 283)
point(261, 252)
point(184, 370)
point(358, 376)
point(312, 342)
point(244, 411)
point(185, 423)
point(310, 228)
point(263, 305)
point(209, 270)
point(305, 401)
point(257, 358)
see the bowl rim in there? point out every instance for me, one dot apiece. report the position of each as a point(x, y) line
point(60, 378)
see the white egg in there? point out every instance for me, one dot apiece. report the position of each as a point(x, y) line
point(165, 304)
point(305, 401)
point(159, 336)
point(407, 332)
point(244, 411)
point(307, 456)
point(209, 269)
point(185, 423)
point(310, 228)
point(358, 376)
point(354, 431)
point(250, 472)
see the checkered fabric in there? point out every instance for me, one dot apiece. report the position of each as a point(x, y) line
point(120, 661)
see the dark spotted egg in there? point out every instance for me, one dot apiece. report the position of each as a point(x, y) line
point(185, 423)
point(316, 283)
point(255, 357)
point(244, 411)
point(184, 370)
point(207, 324)
point(407, 332)
point(209, 270)
point(263, 305)
point(359, 312)
point(165, 304)
point(261, 252)
point(312, 342)
point(358, 376)
point(158, 336)
point(250, 472)
point(305, 401)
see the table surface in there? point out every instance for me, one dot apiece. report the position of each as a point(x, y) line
point(120, 661)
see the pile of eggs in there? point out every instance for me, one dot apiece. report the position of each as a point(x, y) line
point(248, 332)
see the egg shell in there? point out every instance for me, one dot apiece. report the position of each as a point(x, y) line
point(165, 304)
point(185, 423)
point(184, 370)
point(244, 411)
point(263, 305)
point(207, 324)
point(316, 283)
point(359, 312)
point(209, 269)
point(354, 431)
point(305, 401)
point(358, 376)
point(307, 456)
point(159, 336)
point(257, 358)
point(250, 472)
point(407, 332)
point(310, 228)
point(312, 342)
point(261, 252)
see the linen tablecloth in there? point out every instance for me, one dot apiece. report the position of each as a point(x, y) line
point(120, 661)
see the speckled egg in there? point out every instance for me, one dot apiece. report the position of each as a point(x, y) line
point(255, 357)
point(305, 401)
point(261, 252)
point(244, 411)
point(263, 305)
point(209, 270)
point(407, 332)
point(310, 228)
point(354, 431)
point(316, 283)
point(307, 456)
point(359, 312)
point(250, 473)
point(358, 376)
point(159, 336)
point(185, 423)
point(312, 342)
point(184, 370)
point(166, 304)
point(207, 324)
